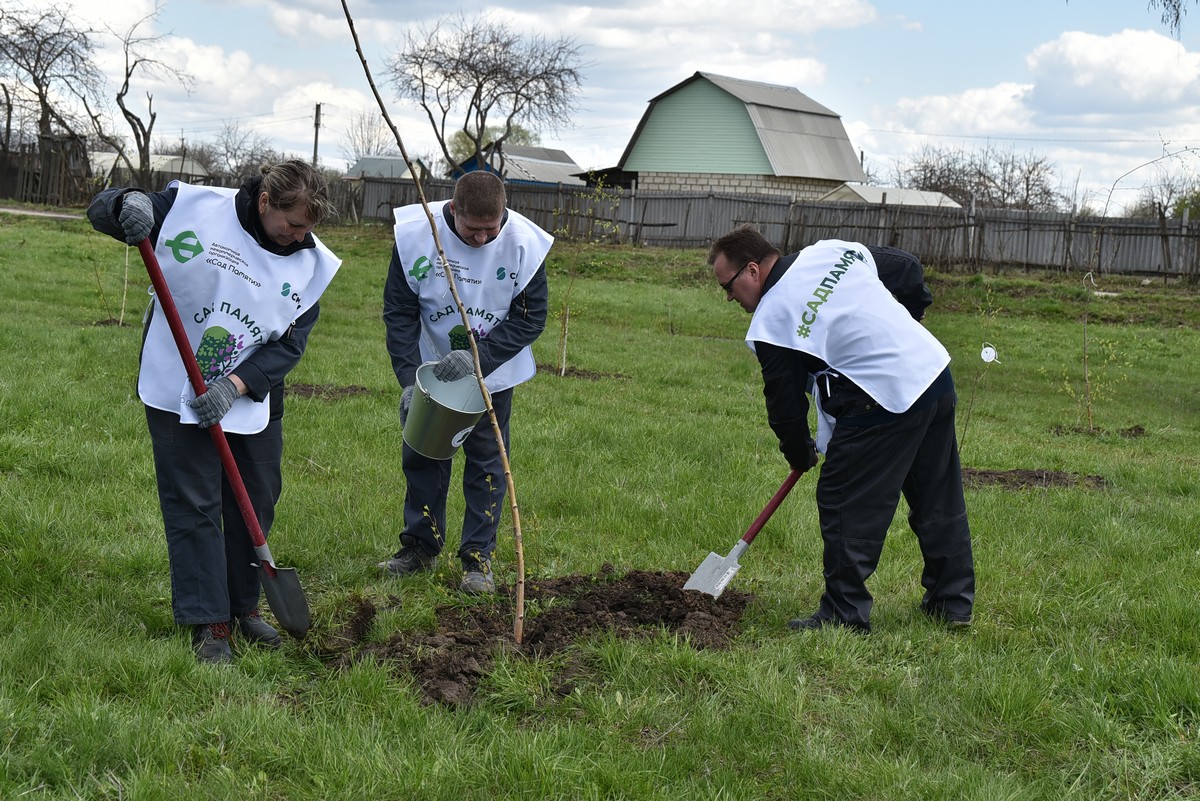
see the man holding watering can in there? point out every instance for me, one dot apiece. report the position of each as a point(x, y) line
point(496, 256)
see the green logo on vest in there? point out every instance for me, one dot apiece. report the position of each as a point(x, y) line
point(218, 351)
point(421, 268)
point(459, 340)
point(185, 247)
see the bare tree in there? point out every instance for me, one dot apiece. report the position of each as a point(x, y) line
point(46, 58)
point(462, 145)
point(6, 140)
point(475, 75)
point(133, 47)
point(242, 151)
point(990, 178)
point(367, 135)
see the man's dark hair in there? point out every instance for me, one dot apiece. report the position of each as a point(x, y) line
point(479, 194)
point(741, 246)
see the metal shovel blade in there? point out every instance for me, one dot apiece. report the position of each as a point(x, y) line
point(714, 573)
point(286, 599)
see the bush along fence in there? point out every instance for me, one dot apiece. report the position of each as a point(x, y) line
point(950, 237)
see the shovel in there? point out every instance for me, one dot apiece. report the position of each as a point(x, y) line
point(282, 587)
point(716, 571)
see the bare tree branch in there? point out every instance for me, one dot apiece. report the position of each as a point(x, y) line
point(46, 57)
point(489, 78)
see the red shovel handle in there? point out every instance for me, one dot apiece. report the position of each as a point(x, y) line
point(167, 304)
point(771, 506)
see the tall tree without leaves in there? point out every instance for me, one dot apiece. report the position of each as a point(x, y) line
point(367, 135)
point(45, 58)
point(479, 77)
point(989, 178)
point(134, 47)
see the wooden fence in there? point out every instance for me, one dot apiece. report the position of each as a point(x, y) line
point(953, 238)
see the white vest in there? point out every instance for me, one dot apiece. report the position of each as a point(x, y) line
point(488, 278)
point(232, 297)
point(832, 305)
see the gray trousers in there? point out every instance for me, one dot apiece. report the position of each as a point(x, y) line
point(428, 483)
point(208, 544)
point(865, 470)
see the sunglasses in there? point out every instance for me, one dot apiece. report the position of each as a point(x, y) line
point(728, 285)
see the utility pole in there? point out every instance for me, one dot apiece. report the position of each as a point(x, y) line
point(316, 133)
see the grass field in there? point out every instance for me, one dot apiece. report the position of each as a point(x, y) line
point(1079, 680)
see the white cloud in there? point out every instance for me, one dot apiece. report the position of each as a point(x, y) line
point(997, 110)
point(1128, 73)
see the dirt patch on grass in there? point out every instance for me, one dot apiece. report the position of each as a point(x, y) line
point(1133, 432)
point(1023, 479)
point(326, 391)
point(576, 372)
point(448, 664)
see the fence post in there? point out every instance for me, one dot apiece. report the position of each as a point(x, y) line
point(787, 229)
point(1166, 241)
point(969, 234)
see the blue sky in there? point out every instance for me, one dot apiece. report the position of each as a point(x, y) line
point(1099, 88)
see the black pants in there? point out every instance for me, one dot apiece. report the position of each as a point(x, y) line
point(428, 483)
point(208, 544)
point(865, 470)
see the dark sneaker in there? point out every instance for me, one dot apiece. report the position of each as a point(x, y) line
point(814, 622)
point(256, 630)
point(952, 622)
point(211, 643)
point(477, 577)
point(408, 562)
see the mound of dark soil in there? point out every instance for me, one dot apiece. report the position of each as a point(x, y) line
point(448, 664)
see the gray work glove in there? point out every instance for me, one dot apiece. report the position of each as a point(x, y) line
point(454, 365)
point(136, 217)
point(215, 402)
point(405, 402)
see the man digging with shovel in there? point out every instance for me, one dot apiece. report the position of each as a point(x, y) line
point(885, 410)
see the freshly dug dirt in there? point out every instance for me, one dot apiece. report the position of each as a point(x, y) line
point(1022, 479)
point(326, 391)
point(448, 664)
point(576, 372)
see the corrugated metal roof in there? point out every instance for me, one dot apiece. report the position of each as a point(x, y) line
point(540, 165)
point(800, 137)
point(102, 163)
point(381, 167)
point(804, 145)
point(767, 94)
point(890, 195)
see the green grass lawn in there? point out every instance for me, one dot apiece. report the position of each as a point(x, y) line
point(1079, 680)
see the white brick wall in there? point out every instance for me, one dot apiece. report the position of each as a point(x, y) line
point(797, 188)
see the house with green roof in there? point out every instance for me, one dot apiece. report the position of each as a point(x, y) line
point(719, 134)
